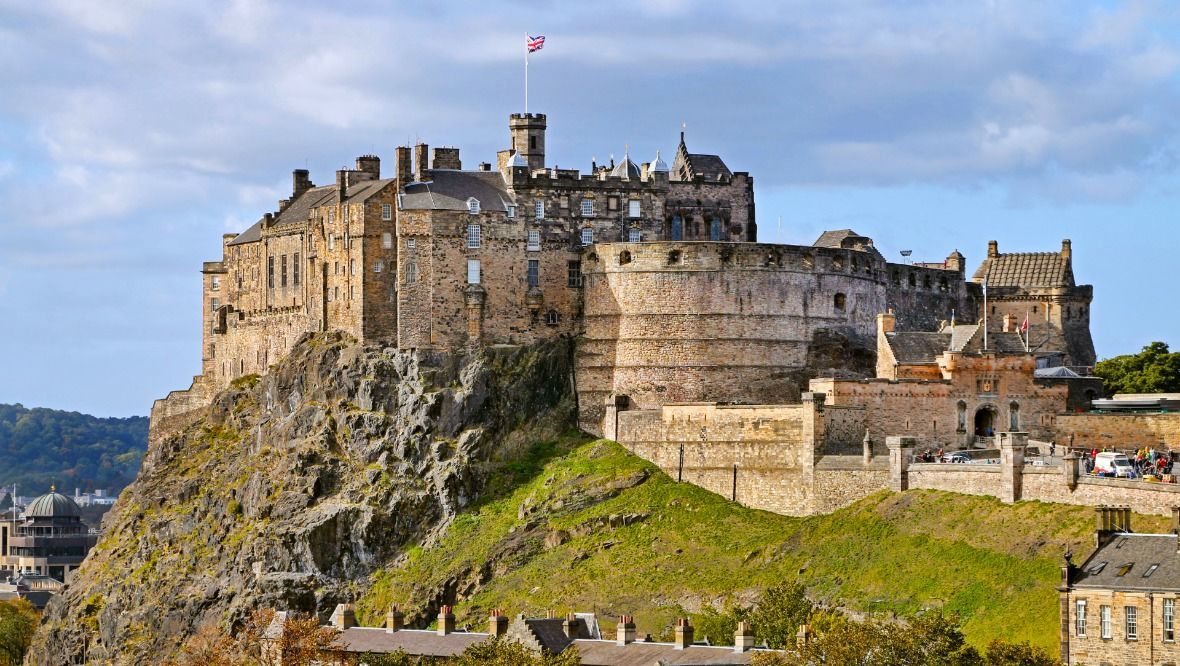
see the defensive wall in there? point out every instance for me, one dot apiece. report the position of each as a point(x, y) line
point(748, 323)
point(1120, 431)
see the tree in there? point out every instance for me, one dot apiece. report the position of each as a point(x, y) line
point(779, 612)
point(18, 621)
point(1000, 653)
point(301, 642)
point(1153, 370)
point(499, 652)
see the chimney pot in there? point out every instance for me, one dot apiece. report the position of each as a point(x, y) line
point(403, 165)
point(422, 162)
point(1066, 248)
point(684, 633)
point(344, 617)
point(395, 620)
point(446, 621)
point(993, 249)
point(569, 626)
point(626, 631)
point(743, 638)
point(497, 623)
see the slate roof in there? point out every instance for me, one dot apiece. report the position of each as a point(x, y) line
point(910, 348)
point(915, 347)
point(609, 653)
point(1026, 269)
point(1127, 558)
point(1059, 371)
point(411, 641)
point(836, 237)
point(251, 235)
point(449, 190)
point(300, 209)
point(687, 166)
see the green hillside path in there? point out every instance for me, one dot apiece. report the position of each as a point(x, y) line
point(545, 540)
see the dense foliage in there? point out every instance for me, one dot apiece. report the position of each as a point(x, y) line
point(42, 447)
point(18, 620)
point(1153, 370)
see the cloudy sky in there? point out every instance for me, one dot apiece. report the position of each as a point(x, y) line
point(134, 133)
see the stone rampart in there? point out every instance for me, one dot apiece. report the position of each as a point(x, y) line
point(1119, 431)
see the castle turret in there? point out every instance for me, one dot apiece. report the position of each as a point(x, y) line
point(528, 137)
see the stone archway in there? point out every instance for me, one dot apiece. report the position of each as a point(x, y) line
point(985, 421)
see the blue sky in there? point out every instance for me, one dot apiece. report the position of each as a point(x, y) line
point(134, 133)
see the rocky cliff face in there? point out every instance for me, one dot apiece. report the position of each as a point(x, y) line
point(297, 486)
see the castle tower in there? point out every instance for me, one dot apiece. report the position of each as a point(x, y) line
point(528, 137)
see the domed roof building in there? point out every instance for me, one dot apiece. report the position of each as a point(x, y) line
point(50, 540)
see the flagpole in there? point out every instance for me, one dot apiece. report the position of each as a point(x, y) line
point(526, 73)
point(985, 314)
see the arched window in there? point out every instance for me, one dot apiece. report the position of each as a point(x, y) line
point(624, 258)
point(840, 301)
point(677, 228)
point(473, 205)
point(1014, 416)
point(552, 318)
point(962, 417)
point(715, 229)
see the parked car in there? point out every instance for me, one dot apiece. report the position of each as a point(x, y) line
point(955, 458)
point(1109, 463)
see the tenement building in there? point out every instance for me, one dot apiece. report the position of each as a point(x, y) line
point(1119, 605)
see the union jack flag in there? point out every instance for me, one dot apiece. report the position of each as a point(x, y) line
point(535, 43)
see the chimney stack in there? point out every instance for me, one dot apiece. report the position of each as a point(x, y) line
point(803, 636)
point(370, 164)
point(569, 626)
point(446, 621)
point(626, 631)
point(743, 638)
point(422, 162)
point(993, 249)
point(1066, 249)
point(344, 617)
point(446, 158)
point(497, 623)
point(300, 182)
point(342, 184)
point(404, 167)
point(886, 322)
point(683, 633)
point(395, 620)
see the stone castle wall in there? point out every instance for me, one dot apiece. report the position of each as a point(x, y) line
point(1119, 431)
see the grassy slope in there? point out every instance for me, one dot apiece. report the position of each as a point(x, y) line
point(996, 565)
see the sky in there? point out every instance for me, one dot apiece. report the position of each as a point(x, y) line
point(134, 133)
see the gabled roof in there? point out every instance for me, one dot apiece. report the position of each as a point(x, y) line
point(1059, 371)
point(450, 190)
point(837, 238)
point(910, 347)
point(919, 347)
point(1128, 557)
point(1026, 269)
point(687, 166)
point(609, 653)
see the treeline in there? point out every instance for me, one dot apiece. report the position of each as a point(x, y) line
point(43, 447)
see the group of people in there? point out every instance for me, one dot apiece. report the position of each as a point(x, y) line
point(1146, 461)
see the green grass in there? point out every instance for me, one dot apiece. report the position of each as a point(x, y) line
point(544, 543)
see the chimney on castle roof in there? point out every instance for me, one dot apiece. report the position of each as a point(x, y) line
point(395, 619)
point(1066, 249)
point(342, 184)
point(626, 631)
point(446, 621)
point(743, 638)
point(300, 183)
point(993, 249)
point(886, 323)
point(684, 633)
point(446, 158)
point(422, 162)
point(344, 617)
point(370, 164)
point(569, 626)
point(403, 166)
point(497, 623)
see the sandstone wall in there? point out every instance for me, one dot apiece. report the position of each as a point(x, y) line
point(838, 486)
point(1120, 431)
point(922, 298)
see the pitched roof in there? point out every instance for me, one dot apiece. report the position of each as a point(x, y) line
point(411, 641)
point(687, 166)
point(911, 347)
point(1026, 269)
point(1122, 563)
point(609, 653)
point(449, 190)
point(836, 238)
point(250, 235)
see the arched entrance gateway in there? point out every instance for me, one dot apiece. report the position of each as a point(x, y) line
point(985, 421)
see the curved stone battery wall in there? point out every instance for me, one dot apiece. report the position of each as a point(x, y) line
point(669, 322)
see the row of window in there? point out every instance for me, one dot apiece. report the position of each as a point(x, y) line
point(634, 208)
point(533, 272)
point(270, 270)
point(475, 237)
point(1130, 621)
point(386, 213)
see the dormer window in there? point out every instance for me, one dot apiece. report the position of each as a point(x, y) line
point(473, 205)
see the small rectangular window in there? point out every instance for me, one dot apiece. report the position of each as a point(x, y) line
point(386, 212)
point(587, 236)
point(574, 278)
point(283, 271)
point(214, 304)
point(1104, 621)
point(534, 243)
point(587, 208)
point(1169, 619)
point(331, 241)
point(215, 283)
point(539, 210)
point(270, 272)
point(352, 266)
point(1131, 622)
point(564, 203)
point(534, 278)
point(411, 273)
point(331, 215)
point(295, 269)
point(386, 240)
point(411, 243)
point(634, 236)
point(378, 265)
point(473, 237)
point(335, 268)
point(1080, 618)
point(633, 208)
point(612, 203)
point(511, 213)
point(473, 271)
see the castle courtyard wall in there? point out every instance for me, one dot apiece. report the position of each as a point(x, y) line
point(1119, 431)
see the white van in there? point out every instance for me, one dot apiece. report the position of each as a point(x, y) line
point(1114, 464)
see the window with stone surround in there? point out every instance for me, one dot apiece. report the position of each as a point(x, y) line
point(1080, 618)
point(411, 273)
point(962, 417)
point(587, 208)
point(386, 240)
point(331, 241)
point(534, 241)
point(270, 272)
point(295, 269)
point(534, 273)
point(840, 301)
point(473, 270)
point(612, 203)
point(574, 278)
point(411, 243)
point(552, 318)
point(587, 236)
point(1104, 621)
point(378, 266)
point(511, 212)
point(387, 212)
point(1014, 416)
point(215, 283)
point(352, 266)
point(715, 231)
point(331, 215)
point(634, 236)
point(1169, 620)
point(474, 237)
point(539, 209)
point(564, 202)
point(677, 232)
point(473, 205)
point(214, 304)
point(633, 208)
point(283, 271)
point(1131, 622)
